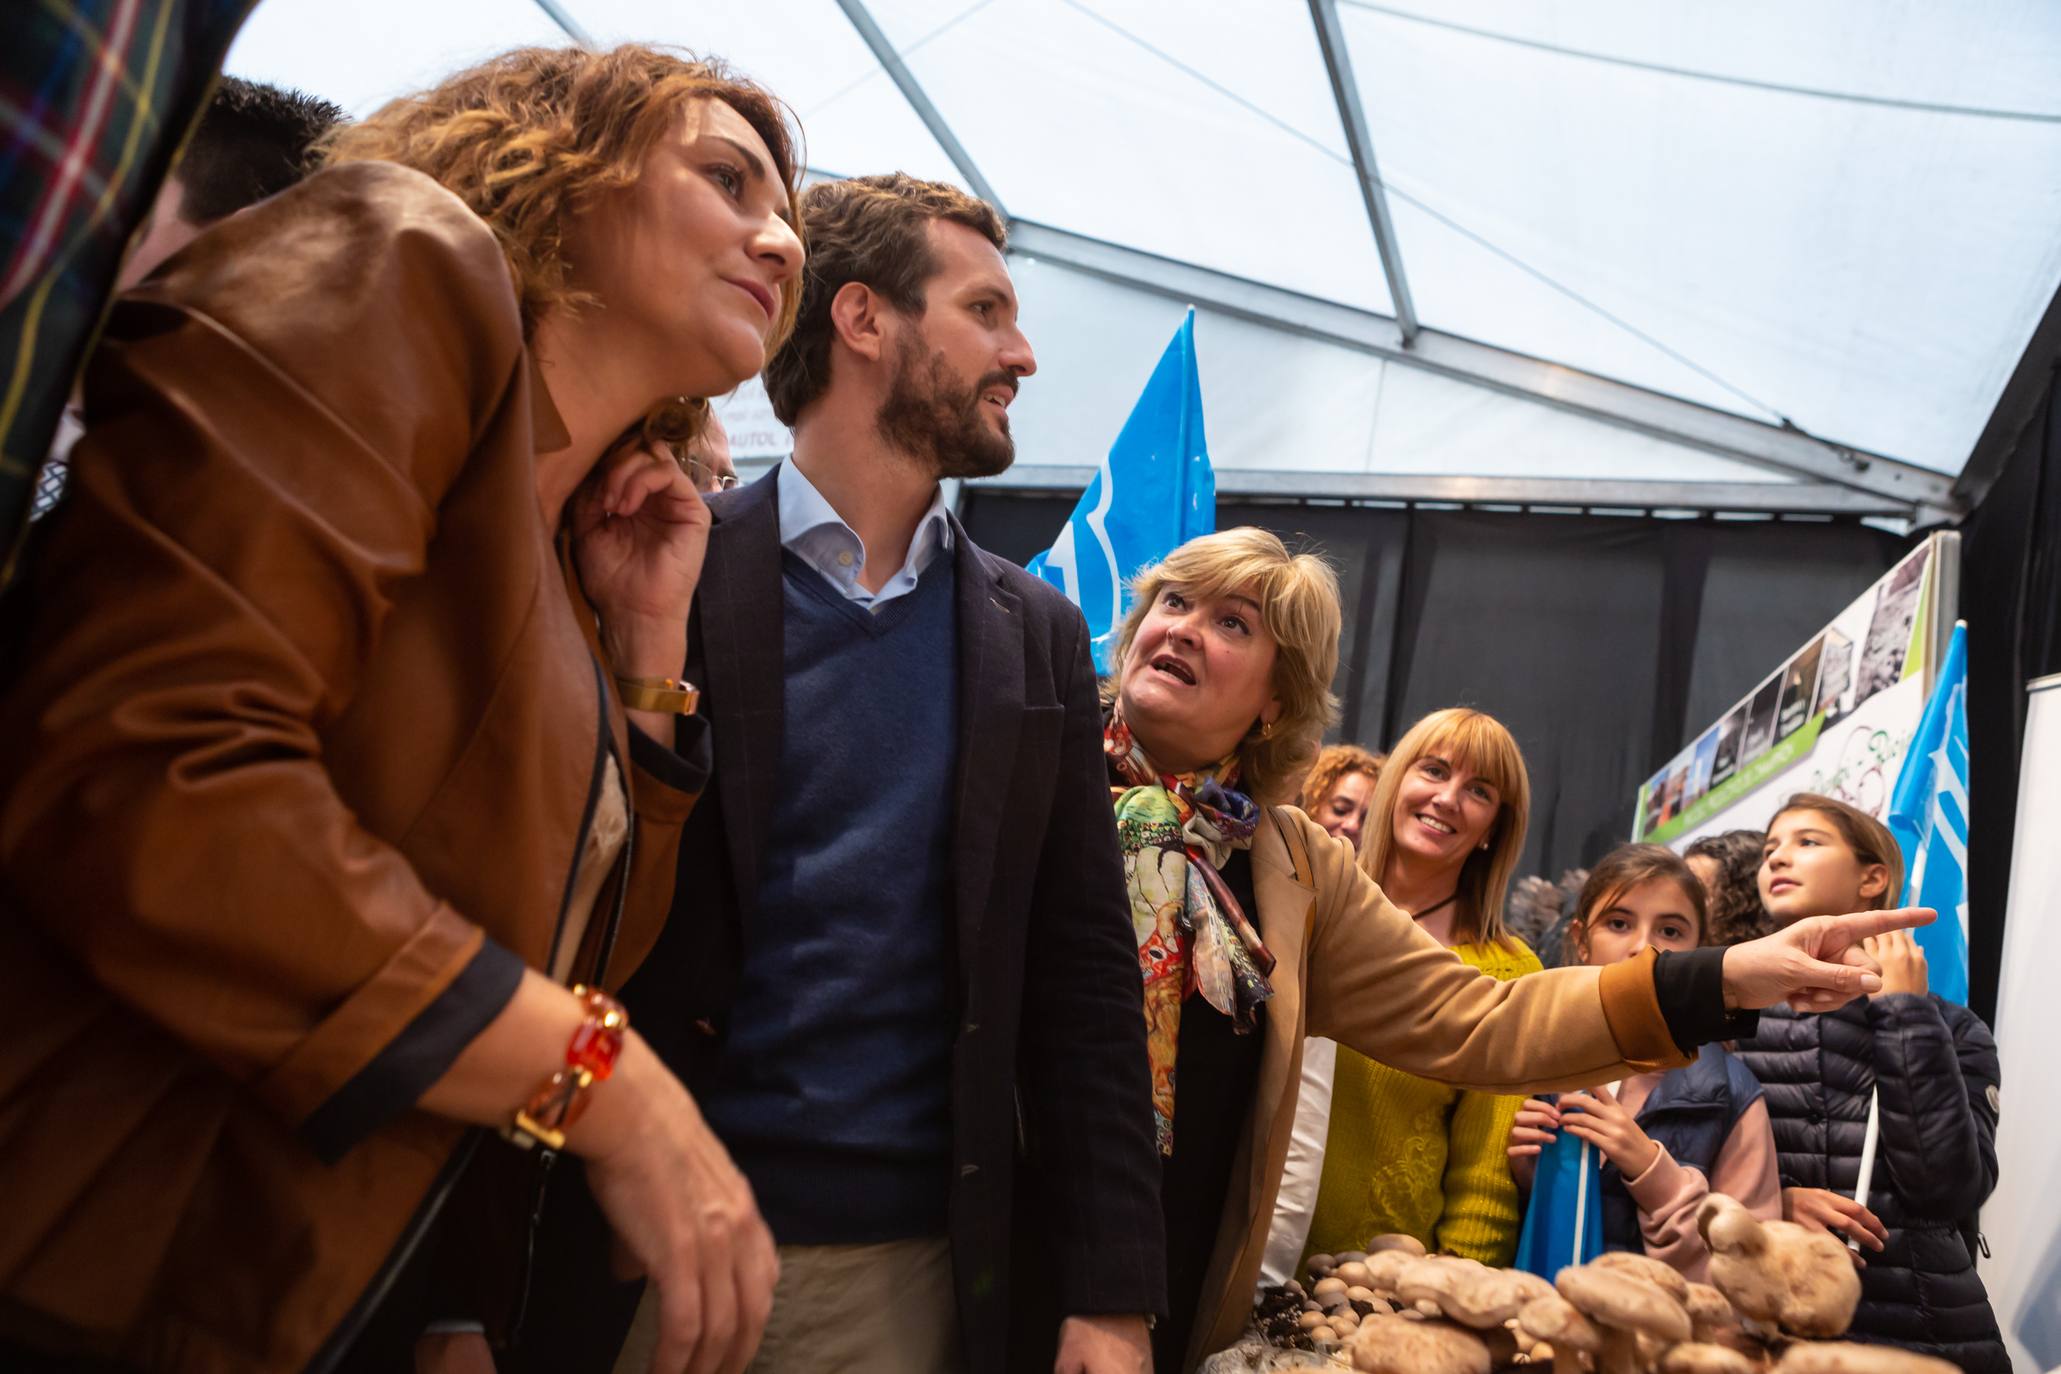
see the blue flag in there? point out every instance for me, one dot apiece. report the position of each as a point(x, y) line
point(1928, 814)
point(1564, 1223)
point(1154, 492)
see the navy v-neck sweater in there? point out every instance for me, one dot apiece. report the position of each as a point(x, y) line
point(834, 1094)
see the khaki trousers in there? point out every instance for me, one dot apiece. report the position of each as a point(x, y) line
point(858, 1309)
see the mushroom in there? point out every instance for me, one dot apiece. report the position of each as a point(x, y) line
point(1664, 1276)
point(1617, 1299)
point(1553, 1320)
point(1487, 1299)
point(1384, 1267)
point(1843, 1357)
point(1627, 1309)
point(1698, 1357)
point(1326, 1287)
point(1391, 1345)
point(1352, 1271)
point(1310, 1321)
point(1715, 1323)
point(1778, 1272)
point(1409, 1245)
point(1502, 1346)
point(1431, 1283)
point(1323, 1335)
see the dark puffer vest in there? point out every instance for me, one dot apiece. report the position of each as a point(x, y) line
point(1935, 1066)
point(1691, 1111)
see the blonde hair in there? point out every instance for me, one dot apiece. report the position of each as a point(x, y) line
point(1475, 741)
point(1334, 761)
point(530, 138)
point(1868, 838)
point(1298, 599)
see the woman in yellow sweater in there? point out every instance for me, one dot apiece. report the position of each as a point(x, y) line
point(1405, 1154)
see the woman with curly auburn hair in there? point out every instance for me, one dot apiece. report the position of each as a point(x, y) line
point(1255, 930)
point(1335, 793)
point(344, 764)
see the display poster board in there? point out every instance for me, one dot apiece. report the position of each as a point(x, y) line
point(757, 438)
point(2022, 1219)
point(1835, 718)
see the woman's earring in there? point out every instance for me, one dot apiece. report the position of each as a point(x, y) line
point(1266, 729)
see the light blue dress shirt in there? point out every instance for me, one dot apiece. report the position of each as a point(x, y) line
point(816, 534)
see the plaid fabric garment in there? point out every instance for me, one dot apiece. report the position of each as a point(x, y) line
point(95, 98)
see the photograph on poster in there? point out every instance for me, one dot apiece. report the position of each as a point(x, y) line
point(1760, 720)
point(1799, 685)
point(1656, 787)
point(1671, 793)
point(1835, 675)
point(1702, 763)
point(1889, 630)
point(1814, 725)
point(1730, 732)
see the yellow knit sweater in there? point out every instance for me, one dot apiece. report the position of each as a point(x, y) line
point(1408, 1155)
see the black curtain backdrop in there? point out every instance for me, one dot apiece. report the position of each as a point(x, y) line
point(2011, 599)
point(1600, 641)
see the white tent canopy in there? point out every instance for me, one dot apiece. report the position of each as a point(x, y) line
point(1761, 257)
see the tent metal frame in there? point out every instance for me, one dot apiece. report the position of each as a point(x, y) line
point(1558, 493)
point(1826, 477)
point(1345, 90)
point(1916, 492)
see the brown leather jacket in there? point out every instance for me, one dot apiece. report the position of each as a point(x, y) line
point(300, 728)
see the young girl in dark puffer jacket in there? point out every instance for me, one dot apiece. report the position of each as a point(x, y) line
point(1933, 1065)
point(1668, 1139)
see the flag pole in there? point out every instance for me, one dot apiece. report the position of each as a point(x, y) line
point(1868, 1144)
point(1581, 1203)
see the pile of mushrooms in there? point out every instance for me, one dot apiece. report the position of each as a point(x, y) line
point(1777, 1291)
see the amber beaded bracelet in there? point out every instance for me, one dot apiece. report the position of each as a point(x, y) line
point(589, 1059)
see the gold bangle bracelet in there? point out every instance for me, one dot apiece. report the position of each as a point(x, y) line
point(671, 695)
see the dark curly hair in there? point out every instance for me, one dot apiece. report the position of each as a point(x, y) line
point(1735, 910)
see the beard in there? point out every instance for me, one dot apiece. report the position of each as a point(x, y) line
point(937, 422)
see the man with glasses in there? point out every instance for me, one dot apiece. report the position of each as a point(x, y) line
point(708, 459)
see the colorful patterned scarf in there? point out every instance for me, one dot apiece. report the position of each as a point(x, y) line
point(1176, 830)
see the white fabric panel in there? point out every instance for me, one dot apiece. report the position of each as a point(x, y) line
point(1269, 399)
point(1432, 424)
point(1999, 54)
point(1280, 401)
point(364, 54)
point(854, 119)
point(2023, 1268)
point(1078, 127)
point(1872, 273)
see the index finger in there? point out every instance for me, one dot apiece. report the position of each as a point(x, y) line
point(1862, 924)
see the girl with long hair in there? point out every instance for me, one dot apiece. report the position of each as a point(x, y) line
point(1667, 1140)
point(1929, 1066)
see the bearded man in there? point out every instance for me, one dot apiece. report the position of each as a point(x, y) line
point(900, 945)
